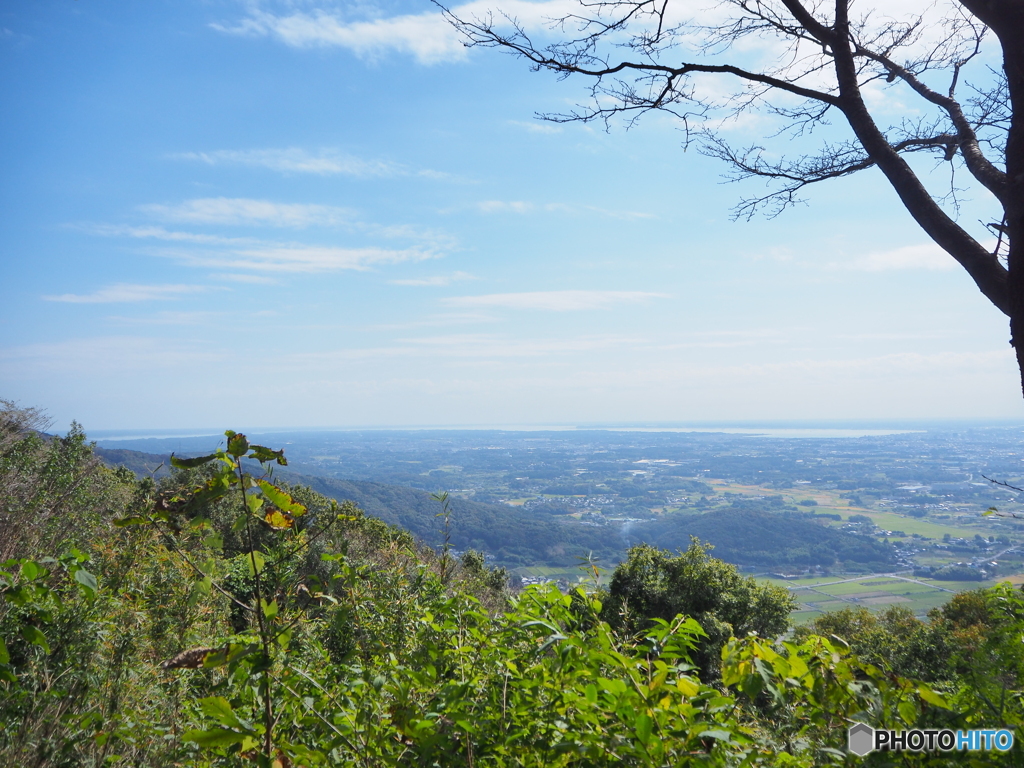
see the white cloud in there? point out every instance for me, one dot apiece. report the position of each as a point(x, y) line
point(167, 318)
point(924, 256)
point(127, 293)
point(102, 355)
point(480, 345)
point(242, 253)
point(436, 280)
point(326, 162)
point(159, 233)
point(556, 301)
point(242, 278)
point(499, 206)
point(537, 127)
point(522, 206)
point(426, 36)
point(307, 259)
point(233, 211)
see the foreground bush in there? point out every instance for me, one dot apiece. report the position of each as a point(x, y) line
point(222, 619)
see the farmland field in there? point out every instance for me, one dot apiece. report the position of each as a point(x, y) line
point(872, 592)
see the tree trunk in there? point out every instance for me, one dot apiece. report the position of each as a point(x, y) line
point(1006, 19)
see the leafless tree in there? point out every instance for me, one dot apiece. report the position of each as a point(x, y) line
point(826, 59)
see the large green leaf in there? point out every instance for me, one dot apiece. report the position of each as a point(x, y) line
point(255, 561)
point(238, 445)
point(278, 520)
point(214, 737)
point(87, 580)
point(280, 498)
point(643, 725)
point(220, 710)
point(927, 694)
point(262, 453)
point(31, 570)
point(269, 609)
point(198, 461)
point(35, 637)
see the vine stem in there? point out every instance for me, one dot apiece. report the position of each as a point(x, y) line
point(268, 704)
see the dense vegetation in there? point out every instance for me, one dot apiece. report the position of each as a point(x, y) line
point(221, 617)
point(752, 537)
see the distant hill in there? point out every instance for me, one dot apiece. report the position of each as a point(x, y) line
point(511, 535)
point(142, 464)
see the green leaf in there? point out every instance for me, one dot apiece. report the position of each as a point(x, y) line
point(281, 499)
point(133, 520)
point(269, 609)
point(214, 737)
point(263, 454)
point(908, 712)
point(35, 637)
point(255, 561)
point(253, 503)
point(5, 657)
point(278, 520)
point(643, 725)
point(237, 652)
point(927, 694)
point(87, 580)
point(31, 570)
point(198, 461)
point(238, 445)
point(715, 734)
point(204, 585)
point(220, 710)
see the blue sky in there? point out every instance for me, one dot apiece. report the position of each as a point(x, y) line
point(311, 214)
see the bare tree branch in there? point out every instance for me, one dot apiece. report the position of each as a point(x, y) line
point(814, 60)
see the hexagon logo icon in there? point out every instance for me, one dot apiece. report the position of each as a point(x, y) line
point(860, 739)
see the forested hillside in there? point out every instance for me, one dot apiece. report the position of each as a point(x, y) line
point(752, 537)
point(221, 617)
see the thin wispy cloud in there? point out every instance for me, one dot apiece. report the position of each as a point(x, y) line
point(167, 318)
point(244, 211)
point(523, 207)
point(247, 254)
point(435, 280)
point(439, 320)
point(472, 346)
point(325, 162)
point(555, 301)
point(124, 293)
point(924, 256)
point(107, 353)
point(308, 259)
point(160, 233)
point(503, 206)
point(233, 277)
point(481, 345)
point(427, 37)
point(537, 127)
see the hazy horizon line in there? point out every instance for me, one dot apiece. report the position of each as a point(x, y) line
point(864, 426)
